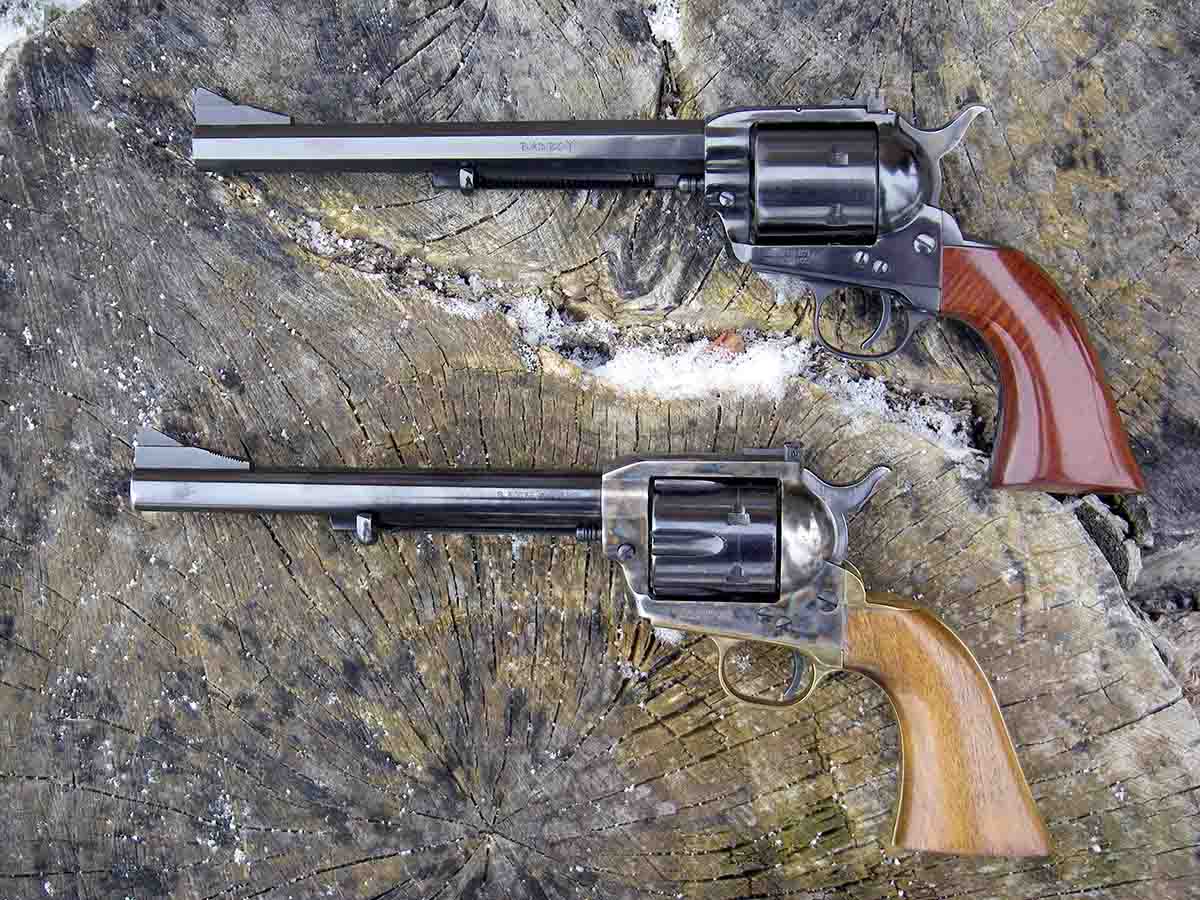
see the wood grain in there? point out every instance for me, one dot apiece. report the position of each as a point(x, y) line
point(1059, 428)
point(229, 706)
point(961, 787)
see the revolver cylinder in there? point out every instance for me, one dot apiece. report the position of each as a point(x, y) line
point(713, 537)
point(814, 184)
point(847, 184)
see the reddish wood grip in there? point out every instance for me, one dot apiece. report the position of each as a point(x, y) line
point(1059, 428)
point(961, 787)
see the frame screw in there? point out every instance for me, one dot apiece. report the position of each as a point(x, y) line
point(880, 267)
point(924, 244)
point(862, 257)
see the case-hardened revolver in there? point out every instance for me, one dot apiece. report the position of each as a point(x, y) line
point(745, 548)
point(840, 196)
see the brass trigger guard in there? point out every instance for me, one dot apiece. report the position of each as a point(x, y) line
point(801, 661)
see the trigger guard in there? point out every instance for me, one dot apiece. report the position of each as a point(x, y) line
point(800, 662)
point(791, 696)
point(916, 318)
point(822, 295)
point(913, 319)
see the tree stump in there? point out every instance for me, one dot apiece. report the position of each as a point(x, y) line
point(209, 705)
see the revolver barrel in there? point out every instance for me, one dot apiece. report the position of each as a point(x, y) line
point(559, 155)
point(171, 478)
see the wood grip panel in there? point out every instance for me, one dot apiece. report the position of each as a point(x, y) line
point(1059, 428)
point(961, 787)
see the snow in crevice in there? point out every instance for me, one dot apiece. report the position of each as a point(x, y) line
point(667, 363)
point(663, 361)
point(21, 19)
point(699, 369)
point(692, 370)
point(665, 22)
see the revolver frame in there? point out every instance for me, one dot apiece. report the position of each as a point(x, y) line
point(808, 612)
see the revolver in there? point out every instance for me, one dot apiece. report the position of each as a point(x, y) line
point(840, 196)
point(746, 548)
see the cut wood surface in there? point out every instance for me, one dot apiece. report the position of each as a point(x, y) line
point(215, 705)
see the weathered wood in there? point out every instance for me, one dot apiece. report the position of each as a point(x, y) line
point(205, 704)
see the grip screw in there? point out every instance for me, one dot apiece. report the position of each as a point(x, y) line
point(725, 198)
point(626, 552)
point(924, 244)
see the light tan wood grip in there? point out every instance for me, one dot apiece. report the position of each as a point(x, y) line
point(961, 787)
point(1059, 427)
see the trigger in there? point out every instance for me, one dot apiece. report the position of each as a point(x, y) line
point(800, 676)
point(884, 321)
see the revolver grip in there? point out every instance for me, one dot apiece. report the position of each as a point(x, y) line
point(961, 786)
point(1059, 428)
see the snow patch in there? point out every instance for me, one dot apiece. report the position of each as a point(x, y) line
point(668, 367)
point(324, 242)
point(943, 425)
point(24, 18)
point(788, 288)
point(584, 342)
point(539, 324)
point(670, 636)
point(465, 309)
point(703, 369)
point(665, 22)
